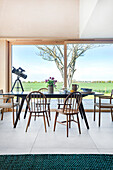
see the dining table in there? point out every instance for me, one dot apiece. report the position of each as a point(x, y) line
point(57, 95)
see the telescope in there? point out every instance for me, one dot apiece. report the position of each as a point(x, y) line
point(19, 72)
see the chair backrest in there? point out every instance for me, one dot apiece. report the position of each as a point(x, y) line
point(72, 102)
point(1, 97)
point(36, 102)
point(43, 90)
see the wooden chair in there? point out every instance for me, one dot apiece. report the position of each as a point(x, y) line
point(70, 108)
point(7, 105)
point(62, 100)
point(37, 106)
point(101, 104)
point(1, 100)
point(48, 101)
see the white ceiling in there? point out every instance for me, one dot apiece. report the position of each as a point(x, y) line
point(39, 18)
point(64, 19)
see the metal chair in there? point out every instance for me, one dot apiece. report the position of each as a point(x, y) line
point(7, 105)
point(37, 106)
point(107, 104)
point(70, 108)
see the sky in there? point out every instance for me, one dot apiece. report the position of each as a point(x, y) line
point(95, 64)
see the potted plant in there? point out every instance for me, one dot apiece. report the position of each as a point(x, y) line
point(51, 83)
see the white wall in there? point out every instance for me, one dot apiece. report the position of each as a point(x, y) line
point(86, 10)
point(39, 18)
point(99, 21)
point(3, 65)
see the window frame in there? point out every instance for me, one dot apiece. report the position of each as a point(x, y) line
point(49, 42)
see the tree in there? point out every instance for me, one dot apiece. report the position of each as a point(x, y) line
point(56, 53)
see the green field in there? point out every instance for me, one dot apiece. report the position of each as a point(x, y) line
point(36, 86)
point(98, 87)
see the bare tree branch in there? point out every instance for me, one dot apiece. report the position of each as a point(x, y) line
point(56, 53)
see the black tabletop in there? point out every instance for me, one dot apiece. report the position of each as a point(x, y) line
point(48, 95)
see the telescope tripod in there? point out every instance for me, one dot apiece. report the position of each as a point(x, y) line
point(18, 81)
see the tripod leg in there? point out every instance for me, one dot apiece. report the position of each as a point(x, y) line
point(12, 88)
point(21, 85)
point(14, 85)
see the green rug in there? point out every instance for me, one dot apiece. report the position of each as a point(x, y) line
point(56, 162)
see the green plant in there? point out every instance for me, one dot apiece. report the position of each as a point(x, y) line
point(51, 81)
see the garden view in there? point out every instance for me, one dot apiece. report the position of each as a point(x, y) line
point(89, 66)
point(103, 87)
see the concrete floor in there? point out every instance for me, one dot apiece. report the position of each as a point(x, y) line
point(17, 141)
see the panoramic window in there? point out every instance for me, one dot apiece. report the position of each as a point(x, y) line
point(88, 65)
point(39, 62)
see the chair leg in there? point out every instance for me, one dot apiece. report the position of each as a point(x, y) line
point(49, 112)
point(44, 122)
point(2, 113)
point(28, 121)
point(17, 109)
point(13, 116)
point(78, 124)
point(94, 112)
point(35, 117)
point(111, 115)
point(67, 125)
point(55, 121)
point(47, 119)
point(99, 116)
point(69, 121)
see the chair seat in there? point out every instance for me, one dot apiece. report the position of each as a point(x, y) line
point(104, 105)
point(66, 112)
point(8, 105)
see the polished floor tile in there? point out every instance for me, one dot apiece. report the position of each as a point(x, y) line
point(17, 141)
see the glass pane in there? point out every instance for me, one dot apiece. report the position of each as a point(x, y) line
point(39, 62)
point(90, 66)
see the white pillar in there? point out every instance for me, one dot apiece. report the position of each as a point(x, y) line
point(4, 65)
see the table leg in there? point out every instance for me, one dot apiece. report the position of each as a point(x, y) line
point(26, 112)
point(26, 109)
point(82, 112)
point(20, 109)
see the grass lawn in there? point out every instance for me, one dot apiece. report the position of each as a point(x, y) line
point(37, 86)
point(98, 87)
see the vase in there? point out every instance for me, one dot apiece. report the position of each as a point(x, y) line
point(50, 89)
